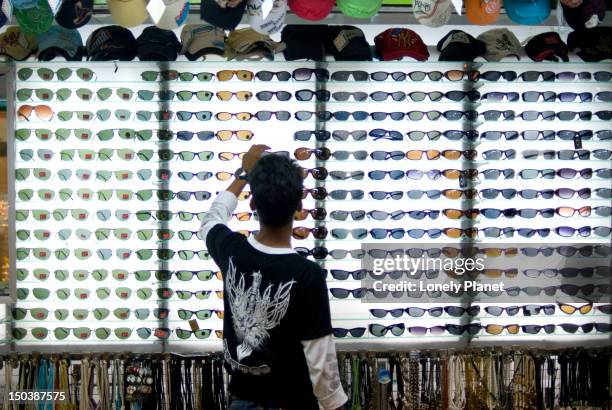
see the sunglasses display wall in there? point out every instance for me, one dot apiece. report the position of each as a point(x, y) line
point(116, 164)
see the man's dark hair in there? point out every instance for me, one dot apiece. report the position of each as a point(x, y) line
point(276, 185)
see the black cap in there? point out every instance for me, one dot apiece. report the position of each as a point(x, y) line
point(458, 45)
point(74, 13)
point(304, 41)
point(156, 44)
point(593, 44)
point(347, 43)
point(588, 11)
point(111, 43)
point(547, 46)
point(225, 17)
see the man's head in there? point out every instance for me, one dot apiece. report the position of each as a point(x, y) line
point(276, 187)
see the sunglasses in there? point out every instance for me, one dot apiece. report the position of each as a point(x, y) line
point(377, 330)
point(452, 75)
point(269, 75)
point(340, 274)
point(171, 75)
point(44, 94)
point(280, 95)
point(202, 314)
point(318, 214)
point(345, 96)
point(315, 193)
point(354, 332)
point(305, 74)
point(341, 293)
point(318, 173)
point(168, 254)
point(346, 75)
point(227, 75)
point(62, 74)
point(43, 112)
point(301, 232)
point(240, 95)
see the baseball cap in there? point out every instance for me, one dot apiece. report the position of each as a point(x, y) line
point(593, 44)
point(588, 14)
point(111, 43)
point(74, 13)
point(482, 12)
point(6, 11)
point(347, 43)
point(432, 13)
point(304, 41)
point(458, 45)
point(16, 44)
point(361, 9)
point(527, 12)
point(273, 22)
point(128, 13)
point(201, 39)
point(34, 17)
point(311, 9)
point(395, 43)
point(157, 44)
point(571, 3)
point(220, 13)
point(168, 14)
point(547, 46)
point(246, 43)
point(500, 43)
point(60, 41)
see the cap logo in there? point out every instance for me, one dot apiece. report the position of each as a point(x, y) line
point(80, 13)
point(461, 37)
point(345, 36)
point(491, 6)
point(182, 15)
point(503, 43)
point(423, 6)
point(102, 37)
point(404, 39)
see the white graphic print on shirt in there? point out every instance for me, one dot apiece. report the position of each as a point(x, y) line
point(254, 313)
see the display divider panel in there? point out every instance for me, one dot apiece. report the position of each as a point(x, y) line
point(108, 213)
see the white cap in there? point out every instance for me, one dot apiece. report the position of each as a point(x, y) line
point(432, 13)
point(168, 14)
point(266, 20)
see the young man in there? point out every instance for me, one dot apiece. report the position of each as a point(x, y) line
point(277, 327)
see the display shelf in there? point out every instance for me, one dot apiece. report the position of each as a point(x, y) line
point(346, 313)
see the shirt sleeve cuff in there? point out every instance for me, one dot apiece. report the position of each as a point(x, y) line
point(334, 400)
point(228, 200)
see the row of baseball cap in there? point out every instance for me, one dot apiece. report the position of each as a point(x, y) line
point(314, 42)
point(268, 16)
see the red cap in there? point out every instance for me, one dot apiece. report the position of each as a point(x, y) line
point(395, 43)
point(312, 9)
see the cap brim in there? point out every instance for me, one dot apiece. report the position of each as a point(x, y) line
point(52, 52)
point(204, 51)
point(399, 54)
point(155, 52)
point(227, 18)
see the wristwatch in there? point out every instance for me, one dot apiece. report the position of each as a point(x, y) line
point(241, 174)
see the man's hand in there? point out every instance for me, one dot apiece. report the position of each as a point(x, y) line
point(252, 156)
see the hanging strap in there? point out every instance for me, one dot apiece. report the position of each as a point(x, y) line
point(355, 399)
point(219, 383)
point(84, 390)
point(197, 384)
